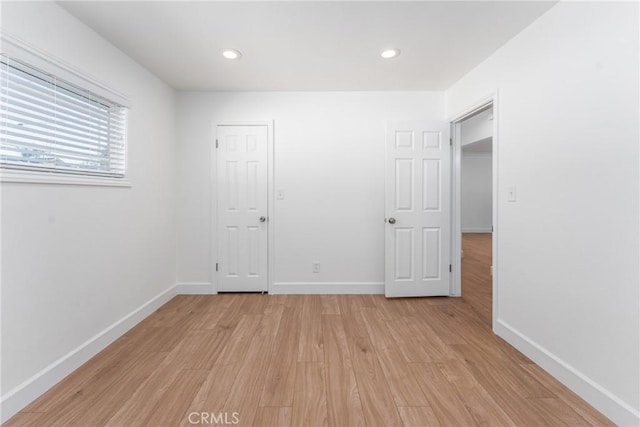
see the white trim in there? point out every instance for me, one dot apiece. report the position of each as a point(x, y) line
point(19, 397)
point(271, 197)
point(327, 288)
point(596, 395)
point(456, 218)
point(17, 48)
point(213, 208)
point(213, 180)
point(194, 288)
point(476, 229)
point(475, 108)
point(456, 232)
point(32, 177)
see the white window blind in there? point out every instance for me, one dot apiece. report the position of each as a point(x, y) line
point(47, 124)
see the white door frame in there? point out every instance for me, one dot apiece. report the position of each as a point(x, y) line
point(213, 179)
point(456, 228)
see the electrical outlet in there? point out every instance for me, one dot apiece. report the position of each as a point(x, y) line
point(315, 267)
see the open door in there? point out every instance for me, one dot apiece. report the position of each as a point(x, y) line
point(417, 204)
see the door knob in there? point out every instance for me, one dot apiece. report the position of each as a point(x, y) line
point(262, 219)
point(392, 220)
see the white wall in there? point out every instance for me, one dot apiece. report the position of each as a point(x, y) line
point(329, 159)
point(475, 192)
point(568, 253)
point(77, 259)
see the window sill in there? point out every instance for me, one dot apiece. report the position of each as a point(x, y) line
point(29, 177)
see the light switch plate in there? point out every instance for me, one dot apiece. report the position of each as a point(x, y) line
point(511, 193)
point(280, 194)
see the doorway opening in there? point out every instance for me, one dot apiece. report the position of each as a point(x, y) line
point(474, 208)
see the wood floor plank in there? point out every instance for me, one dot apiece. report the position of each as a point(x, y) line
point(508, 376)
point(98, 401)
point(137, 409)
point(478, 402)
point(254, 303)
point(222, 300)
point(171, 409)
point(418, 416)
point(211, 314)
point(429, 341)
point(270, 416)
point(310, 400)
point(157, 339)
point(200, 348)
point(443, 398)
point(179, 309)
point(557, 412)
point(392, 308)
point(509, 391)
point(403, 384)
point(244, 394)
point(330, 304)
point(270, 320)
point(354, 303)
point(414, 348)
point(310, 341)
point(213, 393)
point(343, 400)
point(581, 407)
point(26, 419)
point(375, 395)
point(280, 382)
point(476, 278)
point(98, 369)
point(234, 313)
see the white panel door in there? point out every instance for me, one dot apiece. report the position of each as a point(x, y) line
point(417, 205)
point(242, 208)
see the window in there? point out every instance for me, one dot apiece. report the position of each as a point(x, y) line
point(50, 125)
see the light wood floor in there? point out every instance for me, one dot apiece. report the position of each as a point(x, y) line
point(316, 360)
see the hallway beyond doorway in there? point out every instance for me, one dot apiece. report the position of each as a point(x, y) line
point(476, 273)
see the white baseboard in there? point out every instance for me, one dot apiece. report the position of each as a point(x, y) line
point(194, 288)
point(19, 397)
point(327, 288)
point(477, 229)
point(597, 396)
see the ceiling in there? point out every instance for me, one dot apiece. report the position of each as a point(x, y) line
point(305, 45)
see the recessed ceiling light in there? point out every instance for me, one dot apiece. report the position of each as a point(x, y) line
point(231, 54)
point(390, 53)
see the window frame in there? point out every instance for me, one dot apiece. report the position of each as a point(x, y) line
point(22, 52)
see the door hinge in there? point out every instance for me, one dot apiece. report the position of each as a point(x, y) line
point(451, 141)
point(216, 266)
point(449, 268)
point(216, 143)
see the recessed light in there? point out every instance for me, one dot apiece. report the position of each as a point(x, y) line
point(390, 53)
point(231, 54)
